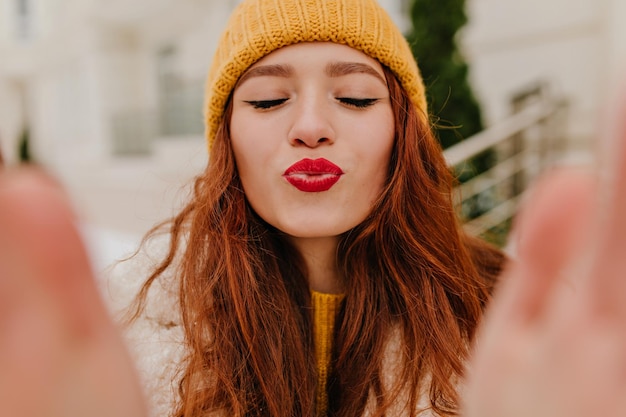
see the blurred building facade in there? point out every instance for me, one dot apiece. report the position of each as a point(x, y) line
point(111, 91)
point(577, 48)
point(95, 79)
point(111, 94)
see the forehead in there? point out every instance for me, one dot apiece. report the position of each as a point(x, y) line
point(326, 51)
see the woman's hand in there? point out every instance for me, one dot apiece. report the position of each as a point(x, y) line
point(553, 343)
point(59, 353)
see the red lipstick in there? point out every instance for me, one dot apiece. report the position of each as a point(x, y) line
point(313, 175)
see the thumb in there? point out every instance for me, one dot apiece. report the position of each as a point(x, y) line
point(551, 227)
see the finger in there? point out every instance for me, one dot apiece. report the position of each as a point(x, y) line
point(56, 342)
point(551, 228)
point(40, 246)
point(608, 276)
point(613, 151)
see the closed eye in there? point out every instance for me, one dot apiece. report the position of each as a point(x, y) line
point(360, 103)
point(266, 104)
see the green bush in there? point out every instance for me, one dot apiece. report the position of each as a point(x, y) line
point(454, 111)
point(453, 106)
point(24, 153)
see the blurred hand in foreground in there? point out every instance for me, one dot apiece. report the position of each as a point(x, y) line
point(553, 342)
point(60, 355)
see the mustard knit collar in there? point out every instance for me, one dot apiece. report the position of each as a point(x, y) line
point(325, 310)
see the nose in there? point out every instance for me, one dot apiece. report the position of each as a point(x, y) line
point(311, 125)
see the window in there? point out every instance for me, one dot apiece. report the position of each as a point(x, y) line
point(23, 19)
point(180, 99)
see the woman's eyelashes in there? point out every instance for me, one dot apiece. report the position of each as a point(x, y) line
point(266, 104)
point(360, 103)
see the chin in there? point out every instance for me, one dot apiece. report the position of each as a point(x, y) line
point(310, 229)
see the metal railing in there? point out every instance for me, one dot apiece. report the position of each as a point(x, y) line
point(522, 146)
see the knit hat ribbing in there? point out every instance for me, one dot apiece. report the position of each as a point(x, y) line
point(258, 27)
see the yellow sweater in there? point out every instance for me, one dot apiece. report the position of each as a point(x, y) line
point(325, 309)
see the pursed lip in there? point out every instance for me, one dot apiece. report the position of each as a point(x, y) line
point(313, 175)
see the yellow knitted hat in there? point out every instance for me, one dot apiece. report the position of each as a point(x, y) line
point(258, 27)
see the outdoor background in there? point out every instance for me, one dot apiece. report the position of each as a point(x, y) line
point(107, 95)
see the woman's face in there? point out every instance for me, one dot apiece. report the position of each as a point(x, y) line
point(312, 132)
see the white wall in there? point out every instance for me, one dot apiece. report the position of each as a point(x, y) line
point(616, 40)
point(567, 43)
point(11, 116)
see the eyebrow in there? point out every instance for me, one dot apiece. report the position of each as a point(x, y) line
point(276, 70)
point(333, 69)
point(338, 69)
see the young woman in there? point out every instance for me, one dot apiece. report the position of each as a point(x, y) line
point(320, 264)
point(318, 268)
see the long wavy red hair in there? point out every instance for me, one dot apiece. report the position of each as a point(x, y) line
point(245, 302)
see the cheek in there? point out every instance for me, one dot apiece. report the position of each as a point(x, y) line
point(374, 160)
point(379, 170)
point(253, 154)
point(382, 158)
point(249, 148)
point(380, 147)
point(250, 170)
